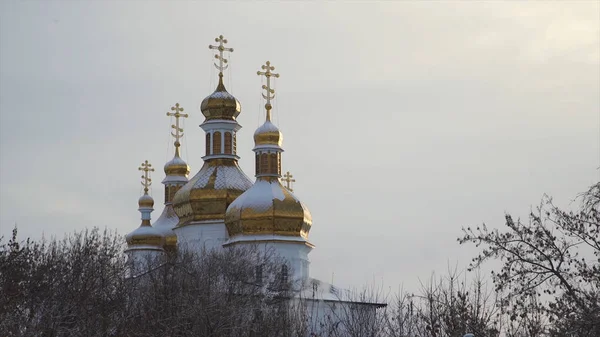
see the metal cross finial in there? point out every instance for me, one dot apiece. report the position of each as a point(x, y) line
point(178, 130)
point(270, 92)
point(287, 177)
point(146, 181)
point(221, 48)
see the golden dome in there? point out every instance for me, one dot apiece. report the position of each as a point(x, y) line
point(145, 235)
point(177, 166)
point(220, 104)
point(268, 208)
point(206, 196)
point(146, 201)
point(268, 134)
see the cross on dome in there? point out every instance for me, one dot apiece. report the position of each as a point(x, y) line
point(221, 48)
point(287, 178)
point(178, 130)
point(270, 92)
point(146, 181)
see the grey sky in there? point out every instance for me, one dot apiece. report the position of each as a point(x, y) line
point(402, 121)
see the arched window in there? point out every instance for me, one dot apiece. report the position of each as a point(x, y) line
point(234, 143)
point(227, 143)
point(208, 144)
point(284, 276)
point(278, 162)
point(273, 163)
point(173, 189)
point(264, 163)
point(216, 143)
point(257, 162)
point(167, 194)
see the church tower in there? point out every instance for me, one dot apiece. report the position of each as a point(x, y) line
point(176, 171)
point(145, 244)
point(201, 203)
point(269, 214)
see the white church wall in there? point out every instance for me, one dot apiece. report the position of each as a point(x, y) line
point(141, 259)
point(295, 253)
point(199, 236)
point(322, 317)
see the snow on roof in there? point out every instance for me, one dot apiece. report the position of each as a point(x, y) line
point(227, 177)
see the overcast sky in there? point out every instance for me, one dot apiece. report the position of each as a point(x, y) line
point(402, 121)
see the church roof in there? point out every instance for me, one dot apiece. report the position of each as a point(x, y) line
point(207, 195)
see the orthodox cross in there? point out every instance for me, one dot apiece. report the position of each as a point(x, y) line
point(287, 177)
point(221, 48)
point(146, 181)
point(270, 92)
point(178, 130)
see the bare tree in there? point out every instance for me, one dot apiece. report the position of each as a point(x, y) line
point(359, 313)
point(62, 288)
point(81, 286)
point(402, 317)
point(555, 255)
point(453, 306)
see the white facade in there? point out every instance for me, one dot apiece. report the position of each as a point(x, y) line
point(199, 236)
point(143, 258)
point(294, 250)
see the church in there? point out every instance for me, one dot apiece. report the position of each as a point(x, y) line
point(220, 206)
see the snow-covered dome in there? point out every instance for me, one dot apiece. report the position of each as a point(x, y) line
point(268, 208)
point(268, 134)
point(177, 166)
point(220, 104)
point(145, 237)
point(206, 196)
point(145, 201)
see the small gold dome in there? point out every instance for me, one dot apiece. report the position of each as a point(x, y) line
point(268, 134)
point(207, 195)
point(268, 208)
point(177, 166)
point(146, 201)
point(220, 104)
point(145, 235)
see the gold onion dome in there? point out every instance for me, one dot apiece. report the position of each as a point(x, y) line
point(145, 235)
point(268, 208)
point(220, 104)
point(206, 196)
point(268, 134)
point(177, 166)
point(146, 201)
